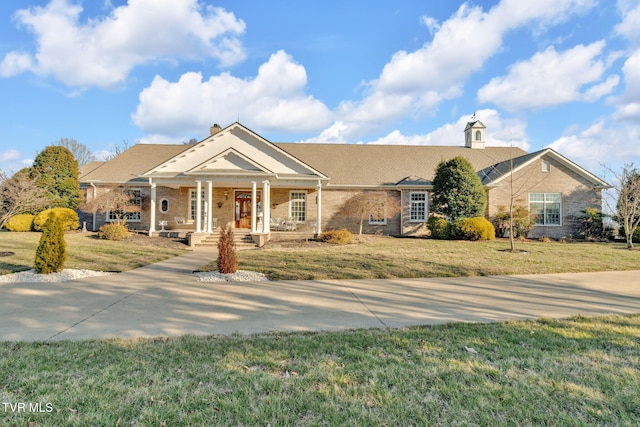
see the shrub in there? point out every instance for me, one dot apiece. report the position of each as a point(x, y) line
point(477, 228)
point(68, 218)
point(337, 237)
point(115, 232)
point(591, 224)
point(636, 234)
point(52, 249)
point(439, 228)
point(227, 257)
point(20, 222)
point(522, 222)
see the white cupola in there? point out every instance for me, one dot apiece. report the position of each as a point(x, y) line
point(474, 134)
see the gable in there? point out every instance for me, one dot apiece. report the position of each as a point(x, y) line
point(228, 162)
point(236, 150)
point(496, 173)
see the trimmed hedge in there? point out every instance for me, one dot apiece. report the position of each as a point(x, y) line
point(68, 218)
point(439, 227)
point(477, 228)
point(51, 253)
point(337, 237)
point(114, 232)
point(20, 222)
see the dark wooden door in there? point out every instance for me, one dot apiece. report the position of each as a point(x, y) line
point(243, 209)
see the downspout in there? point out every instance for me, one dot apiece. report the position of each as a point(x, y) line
point(95, 192)
point(401, 212)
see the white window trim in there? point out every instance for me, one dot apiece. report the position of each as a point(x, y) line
point(544, 204)
point(108, 213)
point(426, 206)
point(192, 201)
point(545, 166)
point(381, 221)
point(291, 199)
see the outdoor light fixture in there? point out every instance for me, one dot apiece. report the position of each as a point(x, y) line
point(226, 195)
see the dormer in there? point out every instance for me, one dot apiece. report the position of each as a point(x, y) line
point(474, 135)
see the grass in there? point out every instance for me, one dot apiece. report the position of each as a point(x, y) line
point(84, 251)
point(387, 257)
point(574, 372)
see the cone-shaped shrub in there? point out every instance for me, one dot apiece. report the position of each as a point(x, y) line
point(227, 257)
point(52, 250)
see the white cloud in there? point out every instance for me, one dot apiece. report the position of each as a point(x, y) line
point(551, 78)
point(417, 82)
point(630, 25)
point(600, 144)
point(499, 133)
point(628, 105)
point(11, 161)
point(9, 155)
point(102, 52)
point(273, 100)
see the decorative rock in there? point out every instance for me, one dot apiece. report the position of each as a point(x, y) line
point(30, 276)
point(238, 276)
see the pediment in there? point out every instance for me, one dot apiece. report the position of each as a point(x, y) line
point(229, 161)
point(234, 150)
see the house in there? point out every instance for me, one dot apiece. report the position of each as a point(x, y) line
point(236, 177)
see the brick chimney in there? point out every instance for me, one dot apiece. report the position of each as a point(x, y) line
point(215, 129)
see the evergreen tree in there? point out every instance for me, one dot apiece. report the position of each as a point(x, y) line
point(458, 191)
point(56, 170)
point(52, 249)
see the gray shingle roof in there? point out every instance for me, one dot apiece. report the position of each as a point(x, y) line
point(132, 163)
point(362, 164)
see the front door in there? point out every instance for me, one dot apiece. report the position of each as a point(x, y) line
point(243, 208)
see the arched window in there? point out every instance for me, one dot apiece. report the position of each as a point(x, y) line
point(478, 135)
point(164, 205)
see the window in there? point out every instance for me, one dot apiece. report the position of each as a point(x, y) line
point(418, 206)
point(379, 217)
point(298, 205)
point(164, 205)
point(478, 135)
point(192, 205)
point(545, 208)
point(132, 215)
point(545, 166)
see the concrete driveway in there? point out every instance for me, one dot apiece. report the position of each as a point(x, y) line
point(166, 299)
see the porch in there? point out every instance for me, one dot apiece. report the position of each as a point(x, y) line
point(201, 209)
point(242, 236)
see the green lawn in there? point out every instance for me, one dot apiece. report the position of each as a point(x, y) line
point(576, 372)
point(86, 251)
point(388, 257)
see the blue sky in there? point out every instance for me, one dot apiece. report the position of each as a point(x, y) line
point(558, 73)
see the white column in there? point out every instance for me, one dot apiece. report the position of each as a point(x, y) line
point(209, 205)
point(265, 206)
point(254, 203)
point(198, 206)
point(319, 207)
point(152, 216)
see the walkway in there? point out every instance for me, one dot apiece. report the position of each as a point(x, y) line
point(166, 299)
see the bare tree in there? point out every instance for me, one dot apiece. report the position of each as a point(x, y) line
point(117, 150)
point(369, 204)
point(80, 151)
point(118, 200)
point(20, 194)
point(516, 187)
point(626, 193)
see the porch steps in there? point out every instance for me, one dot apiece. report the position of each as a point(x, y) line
point(242, 240)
